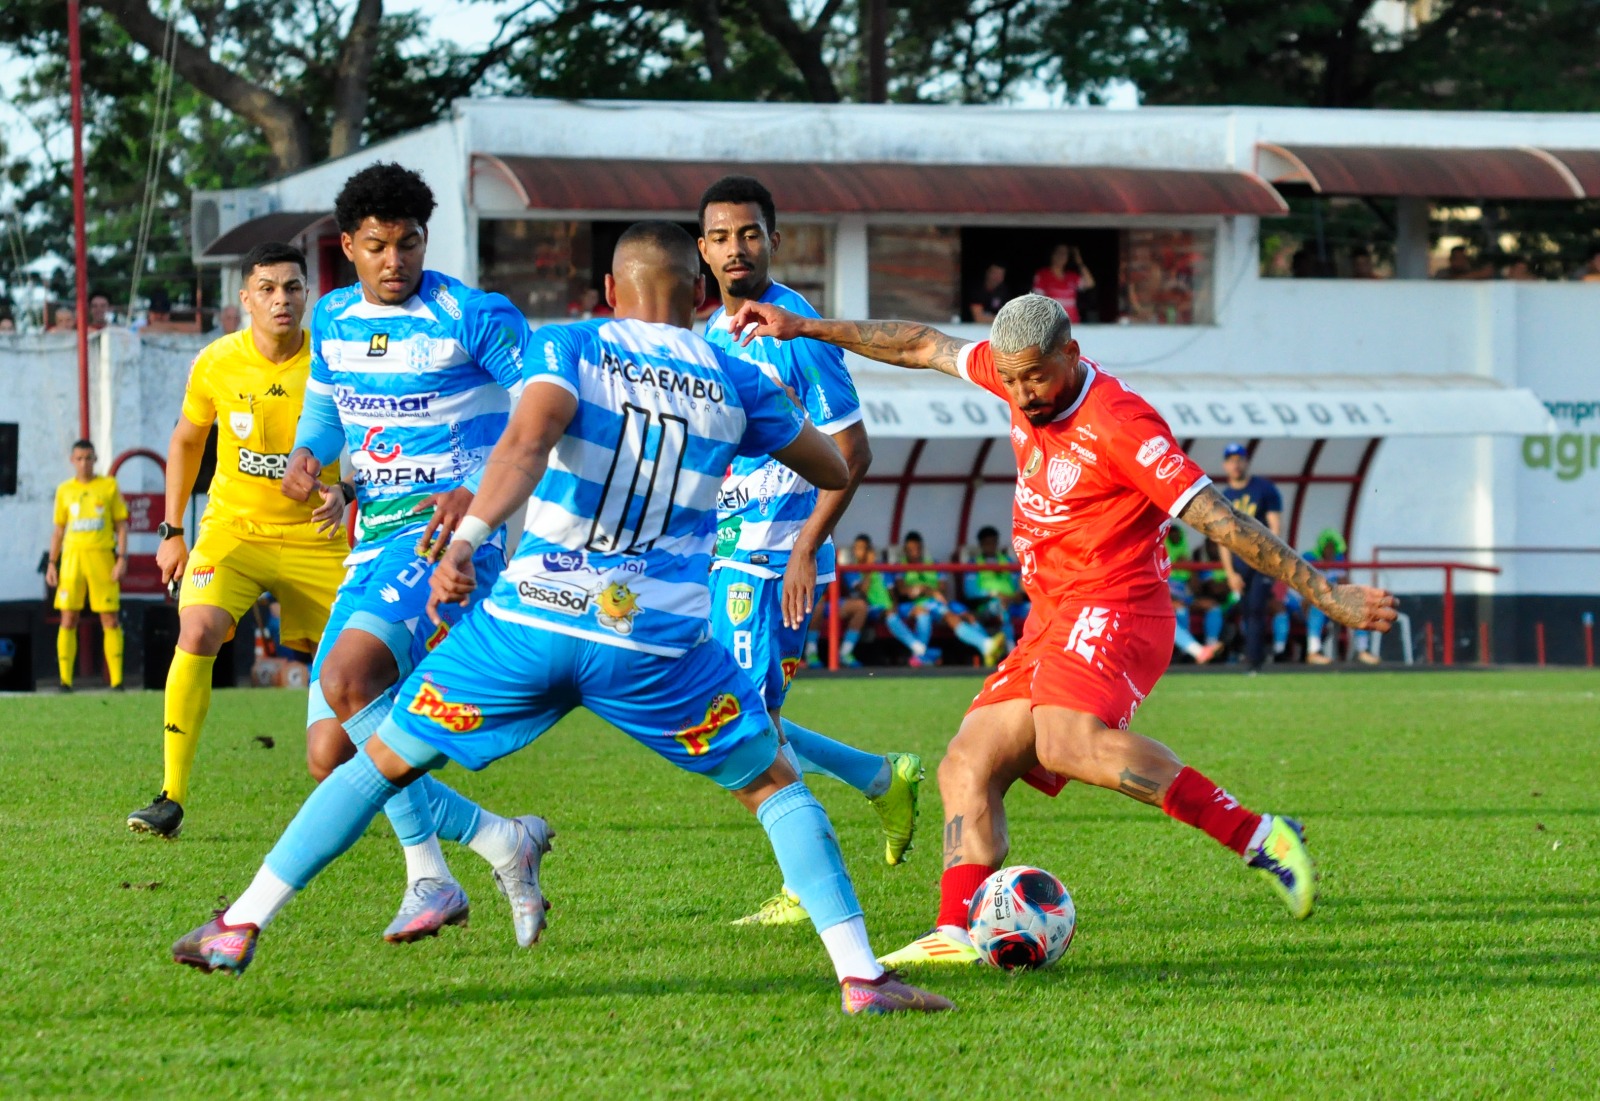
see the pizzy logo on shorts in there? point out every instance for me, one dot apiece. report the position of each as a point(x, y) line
point(696, 739)
point(263, 465)
point(456, 717)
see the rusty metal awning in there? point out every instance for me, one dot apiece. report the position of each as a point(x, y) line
point(674, 187)
point(283, 226)
point(1584, 164)
point(1423, 173)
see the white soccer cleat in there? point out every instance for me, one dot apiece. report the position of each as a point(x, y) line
point(519, 880)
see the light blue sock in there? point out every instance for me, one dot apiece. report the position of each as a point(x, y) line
point(923, 624)
point(1280, 630)
point(455, 817)
point(1183, 639)
point(330, 821)
point(1213, 624)
point(972, 635)
point(408, 812)
point(813, 868)
point(848, 643)
point(868, 773)
point(902, 633)
point(1010, 631)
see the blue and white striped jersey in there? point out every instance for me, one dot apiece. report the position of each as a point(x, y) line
point(423, 391)
point(764, 504)
point(619, 532)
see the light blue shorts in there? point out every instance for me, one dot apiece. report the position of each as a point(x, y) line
point(747, 618)
point(492, 687)
point(387, 597)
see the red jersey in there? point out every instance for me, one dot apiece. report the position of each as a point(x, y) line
point(1097, 489)
point(1063, 288)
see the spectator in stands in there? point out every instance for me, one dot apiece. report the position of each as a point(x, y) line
point(1184, 603)
point(1063, 279)
point(922, 601)
point(66, 320)
point(1460, 266)
point(1361, 264)
point(1520, 270)
point(985, 297)
point(866, 600)
point(1591, 270)
point(1330, 547)
point(995, 596)
point(8, 323)
point(1251, 495)
point(228, 318)
point(99, 312)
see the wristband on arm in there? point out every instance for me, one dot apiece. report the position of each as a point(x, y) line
point(473, 531)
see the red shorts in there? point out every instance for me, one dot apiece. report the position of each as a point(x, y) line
point(1103, 661)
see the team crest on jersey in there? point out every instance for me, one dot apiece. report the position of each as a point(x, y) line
point(722, 710)
point(1062, 475)
point(618, 606)
point(378, 345)
point(741, 602)
point(241, 423)
point(1033, 463)
point(456, 717)
point(201, 577)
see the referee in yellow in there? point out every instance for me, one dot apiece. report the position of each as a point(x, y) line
point(88, 554)
point(252, 538)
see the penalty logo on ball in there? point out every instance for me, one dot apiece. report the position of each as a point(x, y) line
point(1021, 918)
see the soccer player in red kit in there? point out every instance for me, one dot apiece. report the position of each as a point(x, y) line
point(1099, 480)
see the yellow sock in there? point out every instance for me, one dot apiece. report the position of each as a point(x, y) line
point(188, 699)
point(114, 655)
point(66, 653)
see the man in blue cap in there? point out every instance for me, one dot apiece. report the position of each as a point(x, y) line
point(1254, 496)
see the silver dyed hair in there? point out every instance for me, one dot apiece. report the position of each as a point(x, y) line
point(1030, 321)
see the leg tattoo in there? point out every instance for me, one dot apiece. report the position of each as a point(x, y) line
point(1140, 787)
point(952, 842)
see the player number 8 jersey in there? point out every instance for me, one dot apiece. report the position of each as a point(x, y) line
point(619, 533)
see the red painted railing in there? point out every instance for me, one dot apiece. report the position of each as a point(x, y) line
point(1449, 569)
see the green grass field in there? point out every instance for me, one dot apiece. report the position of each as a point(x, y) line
point(1456, 952)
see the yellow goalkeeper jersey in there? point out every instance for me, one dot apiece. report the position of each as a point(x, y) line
point(256, 406)
point(89, 512)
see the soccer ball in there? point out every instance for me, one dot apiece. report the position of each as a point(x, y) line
point(1021, 917)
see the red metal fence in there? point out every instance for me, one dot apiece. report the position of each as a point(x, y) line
point(1449, 569)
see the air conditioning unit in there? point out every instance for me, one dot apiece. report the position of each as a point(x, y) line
point(213, 213)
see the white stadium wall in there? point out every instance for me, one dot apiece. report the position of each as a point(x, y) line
point(135, 389)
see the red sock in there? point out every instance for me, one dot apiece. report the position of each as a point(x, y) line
point(1196, 801)
point(956, 888)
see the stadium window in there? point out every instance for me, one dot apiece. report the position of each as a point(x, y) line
point(804, 261)
point(1024, 250)
point(544, 267)
point(8, 459)
point(913, 272)
point(1165, 277)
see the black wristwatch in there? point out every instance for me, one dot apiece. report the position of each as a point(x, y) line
point(166, 531)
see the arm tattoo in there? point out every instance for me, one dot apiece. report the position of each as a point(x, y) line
point(902, 343)
point(952, 842)
point(1248, 538)
point(1140, 787)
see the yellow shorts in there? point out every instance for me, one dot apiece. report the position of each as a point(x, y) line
point(88, 572)
point(230, 570)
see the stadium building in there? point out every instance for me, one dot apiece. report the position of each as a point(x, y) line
point(1406, 412)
